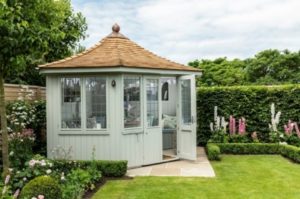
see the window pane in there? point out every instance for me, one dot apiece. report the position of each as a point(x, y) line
point(152, 102)
point(186, 101)
point(95, 103)
point(132, 103)
point(71, 103)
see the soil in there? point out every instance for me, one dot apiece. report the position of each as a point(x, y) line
point(89, 194)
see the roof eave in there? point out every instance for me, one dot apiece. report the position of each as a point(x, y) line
point(116, 69)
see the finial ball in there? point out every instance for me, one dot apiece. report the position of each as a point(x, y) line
point(116, 28)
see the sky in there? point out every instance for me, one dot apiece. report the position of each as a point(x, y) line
point(185, 30)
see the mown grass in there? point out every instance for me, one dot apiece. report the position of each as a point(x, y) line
point(246, 176)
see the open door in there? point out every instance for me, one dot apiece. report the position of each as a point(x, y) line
point(186, 118)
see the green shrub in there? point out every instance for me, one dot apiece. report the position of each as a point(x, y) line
point(293, 140)
point(288, 151)
point(251, 102)
point(249, 148)
point(291, 152)
point(112, 168)
point(218, 137)
point(108, 168)
point(42, 185)
point(20, 147)
point(213, 152)
point(37, 166)
point(239, 139)
point(78, 180)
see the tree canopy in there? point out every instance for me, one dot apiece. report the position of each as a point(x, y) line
point(35, 31)
point(267, 67)
point(31, 32)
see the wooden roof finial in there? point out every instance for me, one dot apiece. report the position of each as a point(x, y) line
point(116, 28)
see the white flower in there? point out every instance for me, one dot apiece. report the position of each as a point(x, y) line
point(62, 178)
point(10, 169)
point(24, 179)
point(33, 198)
point(41, 196)
point(7, 179)
point(283, 143)
point(48, 171)
point(32, 163)
point(11, 153)
point(50, 164)
point(281, 135)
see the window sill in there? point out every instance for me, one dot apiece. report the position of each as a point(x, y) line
point(133, 131)
point(84, 132)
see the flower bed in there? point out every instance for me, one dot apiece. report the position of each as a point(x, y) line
point(74, 177)
point(25, 123)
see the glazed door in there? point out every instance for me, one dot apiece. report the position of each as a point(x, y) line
point(186, 121)
point(152, 121)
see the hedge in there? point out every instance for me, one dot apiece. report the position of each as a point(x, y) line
point(249, 148)
point(251, 102)
point(288, 151)
point(108, 168)
point(213, 152)
point(42, 185)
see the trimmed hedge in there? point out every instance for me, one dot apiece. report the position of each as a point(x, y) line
point(42, 185)
point(288, 151)
point(213, 152)
point(117, 168)
point(251, 102)
point(291, 152)
point(247, 148)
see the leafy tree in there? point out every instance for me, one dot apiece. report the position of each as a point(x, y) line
point(220, 72)
point(265, 68)
point(33, 31)
point(274, 67)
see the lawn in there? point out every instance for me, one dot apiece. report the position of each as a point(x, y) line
point(248, 176)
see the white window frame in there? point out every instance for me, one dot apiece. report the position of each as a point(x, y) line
point(103, 130)
point(133, 130)
point(83, 130)
point(159, 101)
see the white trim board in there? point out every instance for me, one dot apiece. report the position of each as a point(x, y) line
point(118, 70)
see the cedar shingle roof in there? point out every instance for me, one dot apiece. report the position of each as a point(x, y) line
point(116, 50)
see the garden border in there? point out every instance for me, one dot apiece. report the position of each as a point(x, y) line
point(214, 150)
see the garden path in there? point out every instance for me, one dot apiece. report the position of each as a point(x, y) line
point(199, 168)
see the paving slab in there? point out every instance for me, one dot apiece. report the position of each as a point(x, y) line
point(185, 168)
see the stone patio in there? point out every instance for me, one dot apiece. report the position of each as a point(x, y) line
point(199, 168)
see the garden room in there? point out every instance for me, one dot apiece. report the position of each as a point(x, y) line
point(108, 102)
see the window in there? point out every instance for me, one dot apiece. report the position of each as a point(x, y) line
point(132, 102)
point(152, 102)
point(186, 101)
point(95, 89)
point(165, 91)
point(71, 103)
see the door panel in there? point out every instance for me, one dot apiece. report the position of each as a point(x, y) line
point(152, 124)
point(187, 145)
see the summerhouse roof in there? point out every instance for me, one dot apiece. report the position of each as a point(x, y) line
point(116, 50)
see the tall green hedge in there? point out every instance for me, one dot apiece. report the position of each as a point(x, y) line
point(251, 102)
